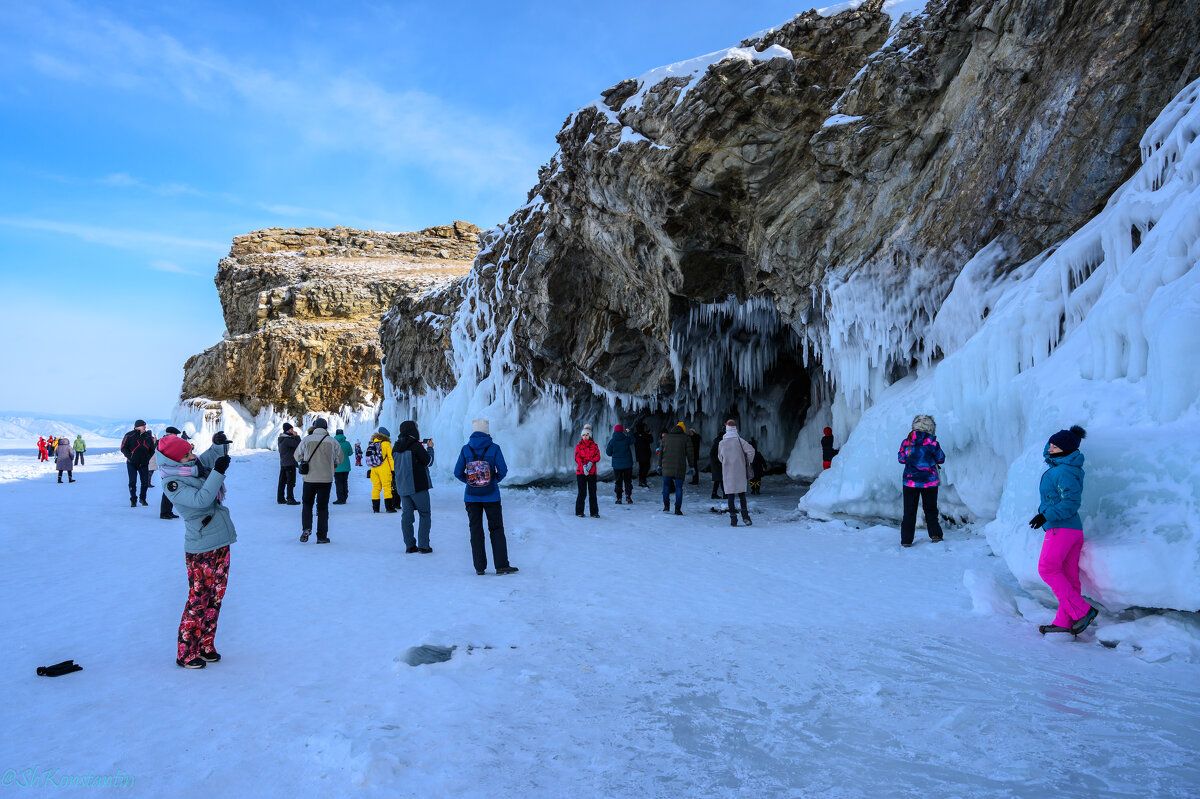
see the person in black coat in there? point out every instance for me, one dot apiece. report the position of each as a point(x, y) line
point(288, 441)
point(694, 438)
point(643, 442)
point(827, 450)
point(137, 446)
point(715, 463)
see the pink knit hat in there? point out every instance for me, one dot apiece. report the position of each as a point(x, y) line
point(174, 447)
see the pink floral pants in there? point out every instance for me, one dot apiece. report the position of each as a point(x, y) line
point(208, 573)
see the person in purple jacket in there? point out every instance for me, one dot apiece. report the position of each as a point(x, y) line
point(921, 454)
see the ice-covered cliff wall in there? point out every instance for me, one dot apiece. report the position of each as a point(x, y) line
point(1102, 330)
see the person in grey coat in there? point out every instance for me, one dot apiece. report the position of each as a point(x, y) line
point(196, 487)
point(64, 459)
point(321, 453)
point(413, 457)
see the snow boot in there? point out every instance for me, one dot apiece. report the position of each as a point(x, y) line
point(304, 536)
point(425, 550)
point(375, 506)
point(410, 550)
point(1082, 624)
point(133, 502)
point(678, 512)
point(194, 663)
point(595, 515)
point(210, 657)
point(71, 479)
point(746, 520)
point(389, 504)
point(508, 570)
point(1052, 628)
point(666, 506)
point(60, 480)
point(733, 521)
point(143, 502)
point(628, 500)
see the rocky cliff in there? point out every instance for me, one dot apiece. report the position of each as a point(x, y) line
point(770, 230)
point(302, 310)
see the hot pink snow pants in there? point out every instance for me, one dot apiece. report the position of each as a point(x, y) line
point(1059, 567)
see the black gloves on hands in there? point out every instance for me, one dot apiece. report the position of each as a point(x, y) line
point(1037, 521)
point(219, 437)
point(222, 464)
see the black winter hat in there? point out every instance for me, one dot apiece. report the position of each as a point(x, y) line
point(287, 426)
point(172, 431)
point(321, 423)
point(1068, 440)
point(140, 423)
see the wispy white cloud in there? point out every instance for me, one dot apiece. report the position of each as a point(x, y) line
point(322, 109)
point(113, 237)
point(167, 266)
point(293, 210)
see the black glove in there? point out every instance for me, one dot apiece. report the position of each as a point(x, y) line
point(222, 464)
point(1037, 521)
point(219, 437)
point(59, 669)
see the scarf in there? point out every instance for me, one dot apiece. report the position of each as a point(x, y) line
point(192, 469)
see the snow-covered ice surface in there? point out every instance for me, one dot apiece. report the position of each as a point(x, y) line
point(639, 655)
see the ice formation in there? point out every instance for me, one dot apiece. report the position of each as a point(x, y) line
point(1100, 331)
point(201, 418)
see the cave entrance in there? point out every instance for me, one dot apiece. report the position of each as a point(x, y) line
point(740, 360)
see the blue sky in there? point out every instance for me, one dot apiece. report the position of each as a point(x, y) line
point(136, 139)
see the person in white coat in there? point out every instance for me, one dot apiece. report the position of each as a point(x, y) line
point(737, 459)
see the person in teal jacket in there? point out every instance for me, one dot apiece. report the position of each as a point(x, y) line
point(341, 475)
point(196, 487)
point(1061, 492)
point(79, 448)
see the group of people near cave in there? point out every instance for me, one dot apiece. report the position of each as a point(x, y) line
point(399, 472)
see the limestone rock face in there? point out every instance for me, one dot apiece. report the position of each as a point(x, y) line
point(302, 311)
point(830, 152)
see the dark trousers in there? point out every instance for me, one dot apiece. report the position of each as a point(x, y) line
point(287, 480)
point(320, 493)
point(134, 471)
point(673, 484)
point(165, 508)
point(643, 471)
point(732, 512)
point(623, 478)
point(928, 499)
point(79, 459)
point(718, 483)
point(495, 520)
point(586, 485)
point(342, 481)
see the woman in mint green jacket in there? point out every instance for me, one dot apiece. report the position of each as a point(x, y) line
point(196, 488)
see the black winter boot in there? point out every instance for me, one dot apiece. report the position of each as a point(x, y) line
point(375, 506)
point(666, 505)
point(389, 504)
point(746, 519)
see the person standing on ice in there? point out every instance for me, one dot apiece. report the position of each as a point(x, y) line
point(587, 455)
point(341, 475)
point(321, 455)
point(921, 454)
point(42, 454)
point(737, 458)
point(676, 452)
point(358, 453)
point(287, 443)
point(620, 449)
point(694, 439)
point(381, 469)
point(137, 447)
point(413, 458)
point(64, 459)
point(714, 465)
point(481, 466)
point(165, 509)
point(196, 486)
point(79, 448)
point(759, 466)
point(827, 450)
point(643, 444)
point(1061, 491)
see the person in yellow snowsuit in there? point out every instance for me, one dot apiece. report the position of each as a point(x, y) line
point(381, 475)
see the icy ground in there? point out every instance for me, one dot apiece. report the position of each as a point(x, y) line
point(637, 655)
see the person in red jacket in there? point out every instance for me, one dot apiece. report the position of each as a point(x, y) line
point(587, 455)
point(42, 454)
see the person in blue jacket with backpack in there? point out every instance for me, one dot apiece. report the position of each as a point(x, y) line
point(1061, 492)
point(481, 466)
point(620, 449)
